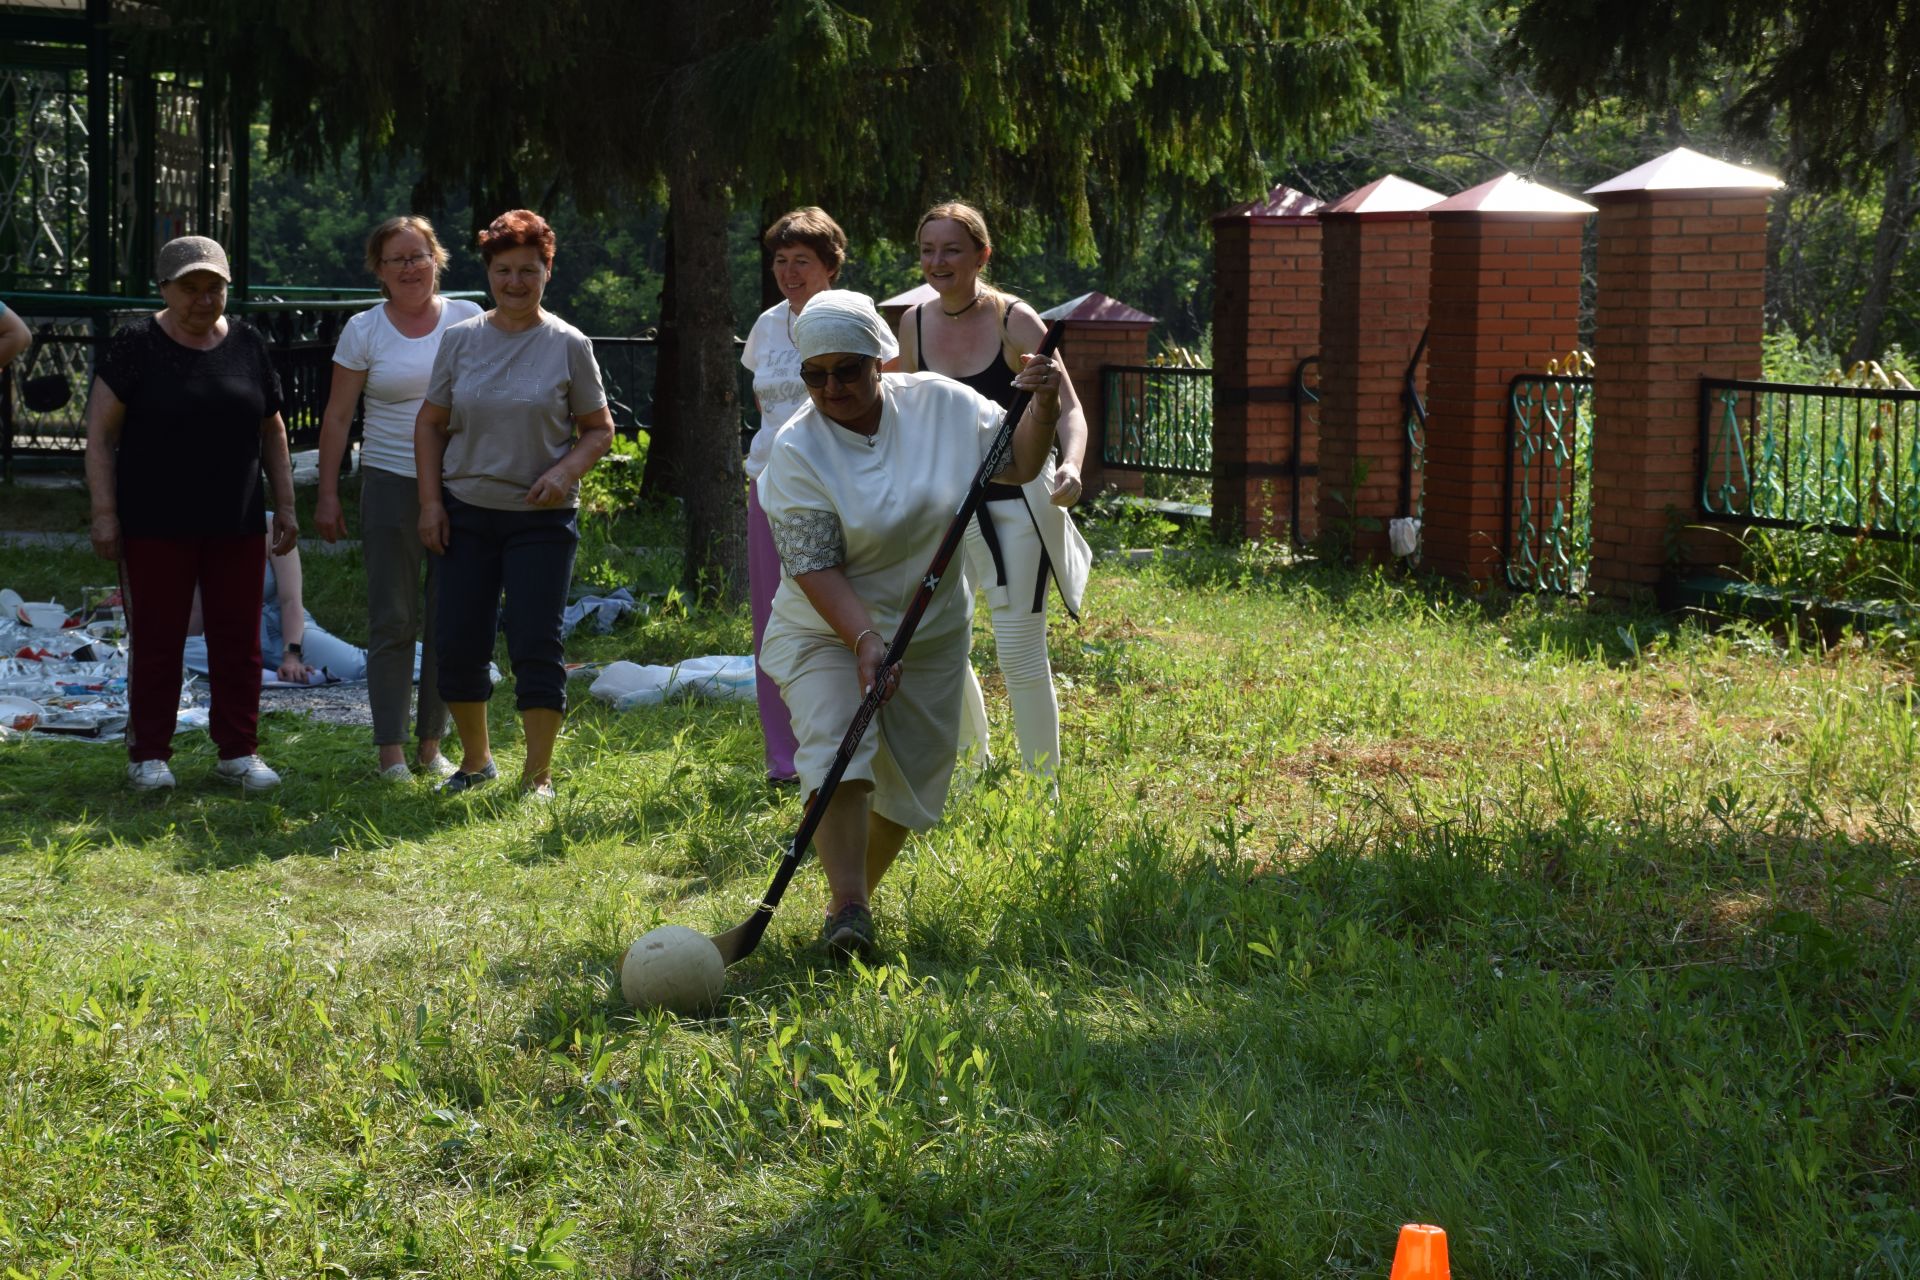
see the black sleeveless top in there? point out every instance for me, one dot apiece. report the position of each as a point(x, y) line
point(995, 382)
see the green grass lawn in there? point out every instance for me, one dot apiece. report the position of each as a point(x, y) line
point(1589, 939)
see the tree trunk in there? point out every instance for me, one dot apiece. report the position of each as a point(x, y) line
point(769, 287)
point(1897, 209)
point(707, 399)
point(663, 468)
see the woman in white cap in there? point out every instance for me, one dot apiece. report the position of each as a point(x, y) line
point(858, 490)
point(184, 413)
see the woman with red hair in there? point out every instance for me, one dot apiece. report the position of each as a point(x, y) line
point(514, 416)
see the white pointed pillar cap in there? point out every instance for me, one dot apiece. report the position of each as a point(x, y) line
point(1511, 196)
point(1685, 172)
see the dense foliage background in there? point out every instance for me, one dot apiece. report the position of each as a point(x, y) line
point(1477, 115)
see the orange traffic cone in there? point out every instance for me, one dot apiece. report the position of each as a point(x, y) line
point(1422, 1254)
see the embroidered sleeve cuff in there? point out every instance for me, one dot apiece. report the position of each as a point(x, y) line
point(809, 541)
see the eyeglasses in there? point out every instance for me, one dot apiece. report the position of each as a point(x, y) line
point(843, 373)
point(411, 260)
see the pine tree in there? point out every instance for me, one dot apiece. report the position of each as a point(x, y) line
point(1841, 82)
point(1071, 112)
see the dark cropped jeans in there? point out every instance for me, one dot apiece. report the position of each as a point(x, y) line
point(529, 556)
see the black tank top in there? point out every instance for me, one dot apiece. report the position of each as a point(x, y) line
point(995, 382)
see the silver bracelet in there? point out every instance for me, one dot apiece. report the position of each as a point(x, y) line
point(855, 646)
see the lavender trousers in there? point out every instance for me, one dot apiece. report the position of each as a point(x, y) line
point(763, 579)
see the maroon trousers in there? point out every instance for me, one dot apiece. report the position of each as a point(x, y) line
point(159, 575)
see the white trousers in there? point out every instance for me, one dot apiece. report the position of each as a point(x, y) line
point(1019, 635)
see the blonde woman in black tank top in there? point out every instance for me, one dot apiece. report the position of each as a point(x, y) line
point(977, 335)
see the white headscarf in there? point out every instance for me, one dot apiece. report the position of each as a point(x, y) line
point(840, 320)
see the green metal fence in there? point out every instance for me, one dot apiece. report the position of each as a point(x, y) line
point(1549, 482)
point(1159, 418)
point(1786, 455)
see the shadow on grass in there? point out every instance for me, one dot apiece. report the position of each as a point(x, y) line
point(1448, 1023)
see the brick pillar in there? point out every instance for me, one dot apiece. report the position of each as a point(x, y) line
point(1266, 319)
point(1373, 307)
point(1505, 299)
point(1100, 331)
point(1682, 282)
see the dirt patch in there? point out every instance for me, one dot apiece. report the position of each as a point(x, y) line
point(1398, 758)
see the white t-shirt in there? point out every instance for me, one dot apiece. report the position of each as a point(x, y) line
point(888, 503)
point(775, 362)
point(397, 369)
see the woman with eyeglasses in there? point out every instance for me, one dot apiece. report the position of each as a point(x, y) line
point(514, 416)
point(808, 248)
point(1023, 539)
point(859, 488)
point(383, 360)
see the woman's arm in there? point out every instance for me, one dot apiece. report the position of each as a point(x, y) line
point(429, 452)
point(293, 614)
point(279, 465)
point(335, 423)
point(105, 416)
point(15, 337)
point(841, 608)
point(288, 583)
point(1033, 437)
point(589, 446)
point(1027, 329)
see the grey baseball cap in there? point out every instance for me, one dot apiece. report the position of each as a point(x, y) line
point(191, 253)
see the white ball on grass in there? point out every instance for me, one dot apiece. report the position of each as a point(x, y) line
point(675, 968)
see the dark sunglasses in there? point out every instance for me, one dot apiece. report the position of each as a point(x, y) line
point(843, 373)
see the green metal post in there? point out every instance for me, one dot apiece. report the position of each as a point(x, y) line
point(242, 144)
point(100, 276)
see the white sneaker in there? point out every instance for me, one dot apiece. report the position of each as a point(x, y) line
point(250, 772)
point(439, 767)
point(149, 775)
point(396, 773)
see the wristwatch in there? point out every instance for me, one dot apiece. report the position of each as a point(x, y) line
point(294, 650)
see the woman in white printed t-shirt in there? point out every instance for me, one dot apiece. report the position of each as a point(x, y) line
point(808, 249)
point(384, 357)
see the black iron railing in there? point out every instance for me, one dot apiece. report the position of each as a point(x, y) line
point(1549, 483)
point(1301, 393)
point(1159, 418)
point(627, 368)
point(1784, 455)
point(43, 397)
point(1413, 449)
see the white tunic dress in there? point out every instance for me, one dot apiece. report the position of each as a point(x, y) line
point(877, 511)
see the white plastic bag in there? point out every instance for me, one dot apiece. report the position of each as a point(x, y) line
point(1403, 535)
point(630, 684)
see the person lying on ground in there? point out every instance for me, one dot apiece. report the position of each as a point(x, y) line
point(292, 645)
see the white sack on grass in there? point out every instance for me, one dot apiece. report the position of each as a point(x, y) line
point(629, 684)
